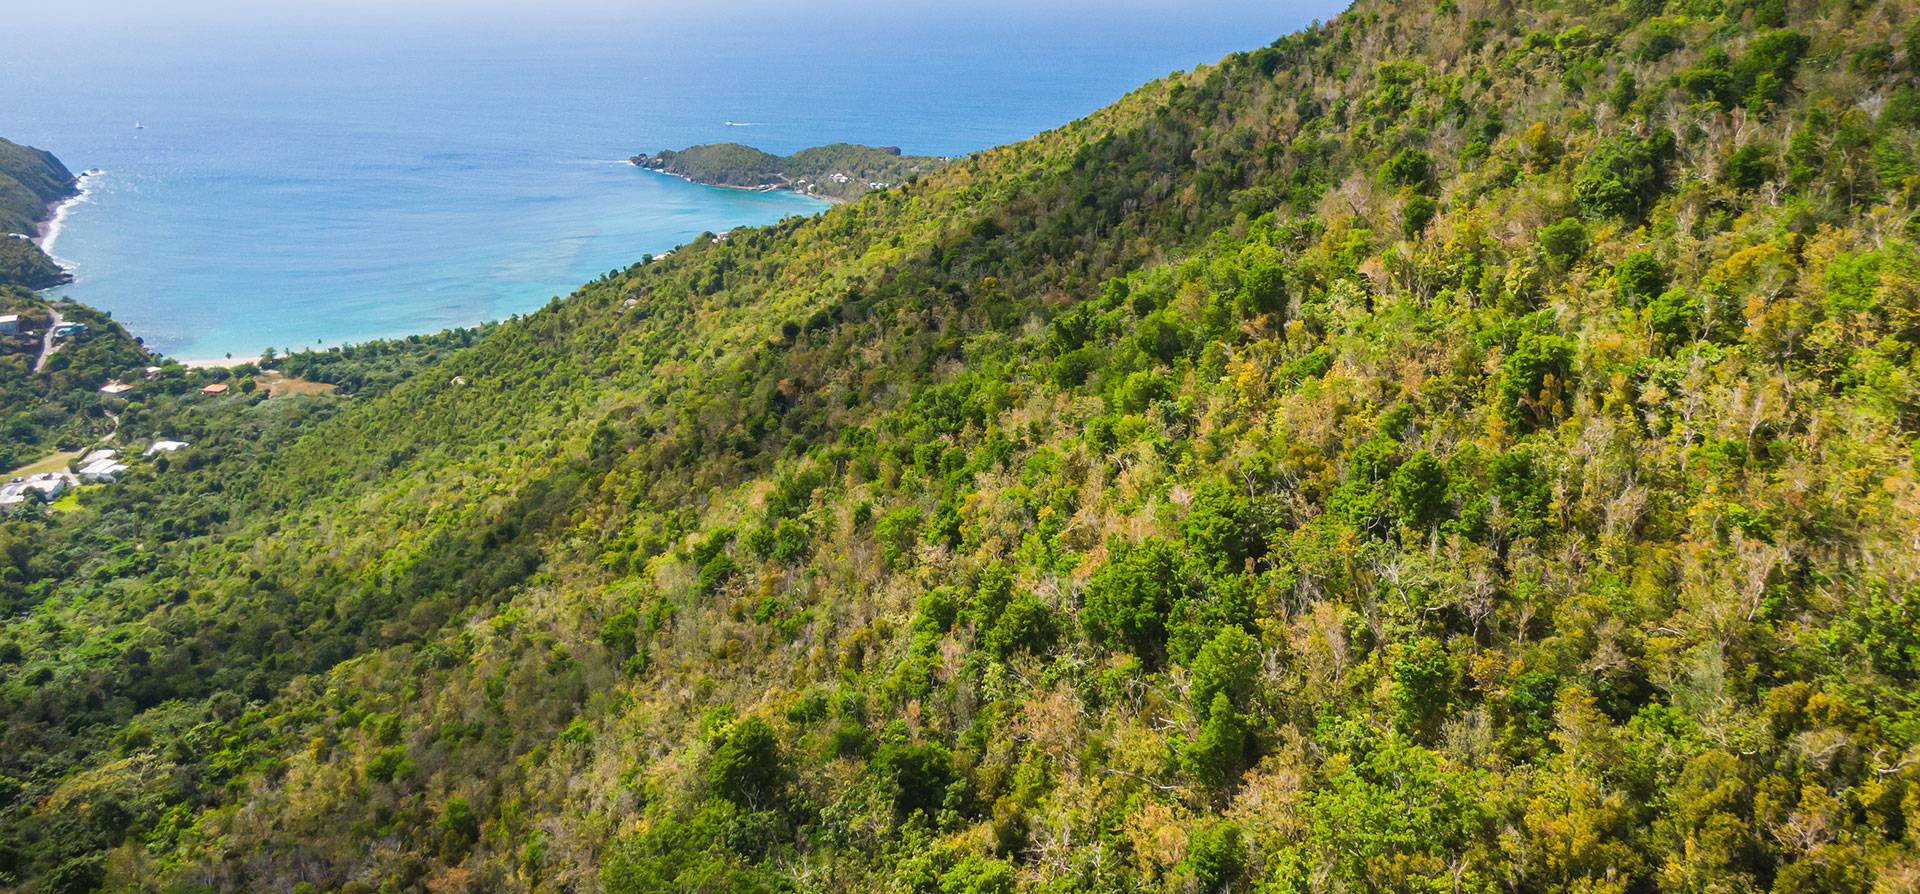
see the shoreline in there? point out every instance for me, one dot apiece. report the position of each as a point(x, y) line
point(830, 200)
point(216, 362)
point(56, 222)
point(50, 229)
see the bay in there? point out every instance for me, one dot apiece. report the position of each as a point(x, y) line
point(334, 179)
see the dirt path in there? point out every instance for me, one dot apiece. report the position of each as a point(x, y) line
point(47, 347)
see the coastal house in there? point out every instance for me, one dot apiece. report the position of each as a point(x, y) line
point(104, 471)
point(10, 324)
point(217, 388)
point(115, 388)
point(98, 455)
point(69, 330)
point(165, 447)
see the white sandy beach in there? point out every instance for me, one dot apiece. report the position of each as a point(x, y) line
point(50, 231)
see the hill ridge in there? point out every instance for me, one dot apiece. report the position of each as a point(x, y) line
point(1460, 445)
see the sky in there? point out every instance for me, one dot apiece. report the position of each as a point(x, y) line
point(159, 19)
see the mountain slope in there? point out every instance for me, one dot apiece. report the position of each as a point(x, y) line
point(31, 182)
point(1459, 447)
point(59, 407)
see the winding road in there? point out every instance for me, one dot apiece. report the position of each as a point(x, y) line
point(47, 347)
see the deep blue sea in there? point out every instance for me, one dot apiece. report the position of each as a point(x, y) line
point(339, 177)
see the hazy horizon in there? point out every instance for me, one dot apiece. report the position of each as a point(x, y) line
point(191, 13)
point(127, 32)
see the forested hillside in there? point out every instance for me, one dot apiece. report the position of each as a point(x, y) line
point(1461, 447)
point(59, 406)
point(31, 181)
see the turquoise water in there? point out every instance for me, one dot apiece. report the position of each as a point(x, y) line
point(331, 181)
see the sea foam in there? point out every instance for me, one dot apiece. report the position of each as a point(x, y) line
point(83, 192)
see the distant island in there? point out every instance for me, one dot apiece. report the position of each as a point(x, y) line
point(32, 184)
point(835, 172)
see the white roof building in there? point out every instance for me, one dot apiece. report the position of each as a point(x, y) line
point(15, 494)
point(103, 471)
point(98, 455)
point(48, 486)
point(165, 447)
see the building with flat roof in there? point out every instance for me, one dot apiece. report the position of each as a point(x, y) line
point(104, 471)
point(9, 324)
point(45, 487)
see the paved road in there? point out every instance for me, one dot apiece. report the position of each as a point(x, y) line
point(47, 347)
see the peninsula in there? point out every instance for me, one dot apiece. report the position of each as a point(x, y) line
point(835, 172)
point(32, 184)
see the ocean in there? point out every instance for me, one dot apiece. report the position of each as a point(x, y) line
point(337, 178)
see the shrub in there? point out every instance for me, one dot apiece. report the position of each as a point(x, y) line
point(1674, 315)
point(1416, 214)
point(620, 634)
point(1216, 859)
point(1410, 168)
point(1765, 70)
point(1227, 665)
point(459, 824)
point(978, 875)
point(1132, 593)
point(1141, 389)
point(1563, 243)
point(1219, 527)
point(791, 541)
point(1523, 493)
point(1263, 287)
point(1026, 625)
point(746, 767)
point(1419, 489)
point(389, 765)
point(1533, 379)
point(1072, 369)
point(1639, 277)
point(1422, 683)
point(1748, 168)
point(1623, 176)
point(1162, 335)
point(920, 775)
point(897, 531)
point(1218, 754)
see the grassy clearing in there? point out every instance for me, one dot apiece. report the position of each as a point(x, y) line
point(279, 385)
point(54, 463)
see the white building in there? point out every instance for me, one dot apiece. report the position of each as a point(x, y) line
point(10, 324)
point(98, 455)
point(166, 447)
point(103, 471)
point(42, 488)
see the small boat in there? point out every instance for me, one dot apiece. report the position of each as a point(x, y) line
point(138, 126)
